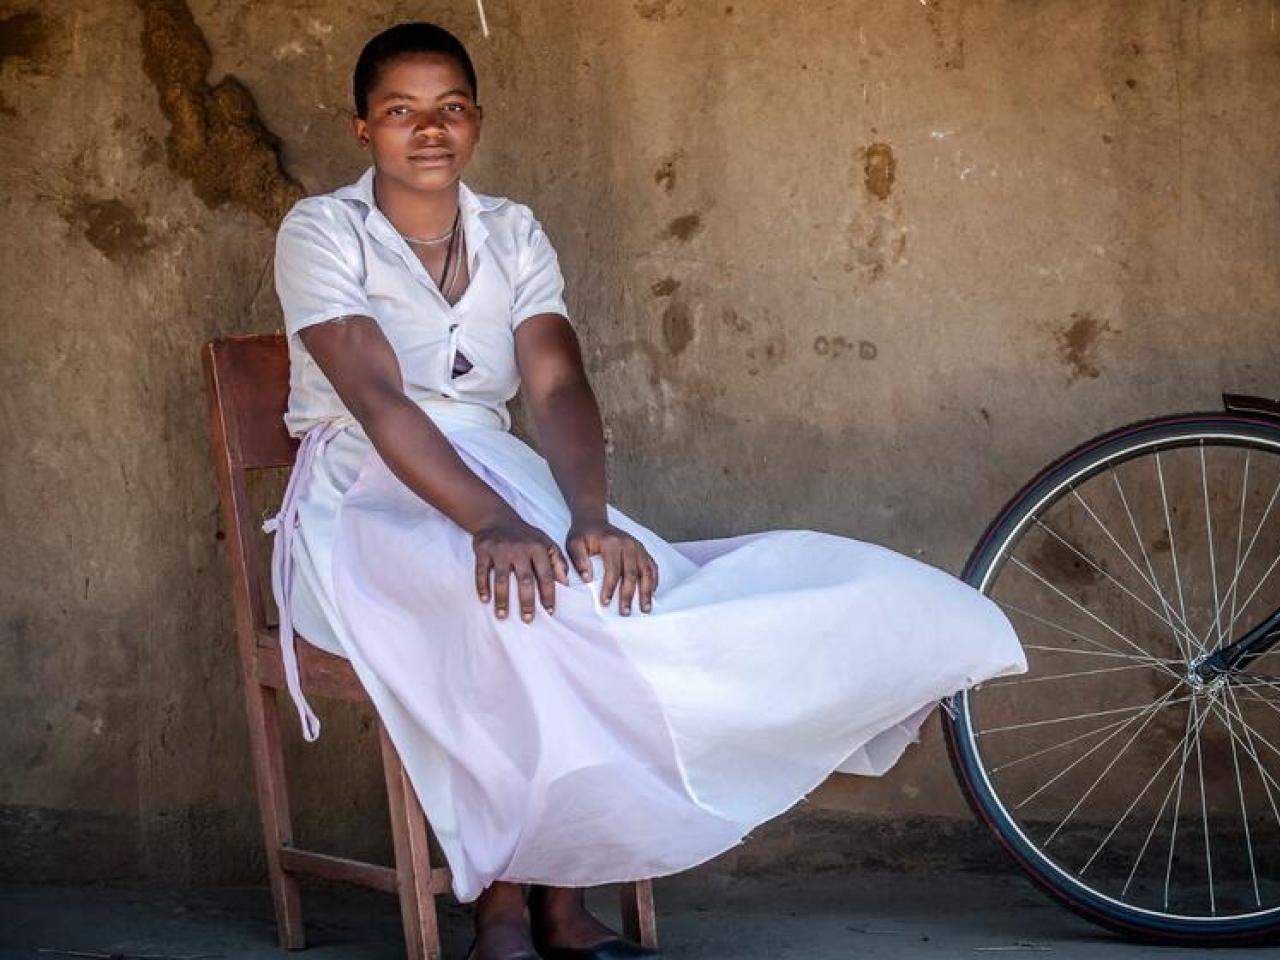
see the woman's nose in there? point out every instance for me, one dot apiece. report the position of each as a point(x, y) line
point(432, 121)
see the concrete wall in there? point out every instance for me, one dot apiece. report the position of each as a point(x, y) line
point(861, 266)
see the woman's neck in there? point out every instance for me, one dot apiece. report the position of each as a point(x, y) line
point(416, 213)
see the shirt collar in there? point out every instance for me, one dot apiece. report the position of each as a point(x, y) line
point(473, 208)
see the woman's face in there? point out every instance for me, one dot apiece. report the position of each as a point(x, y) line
point(422, 122)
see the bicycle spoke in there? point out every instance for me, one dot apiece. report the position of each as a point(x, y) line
point(1151, 708)
point(1244, 606)
point(1204, 811)
point(1114, 760)
point(1146, 606)
point(1235, 578)
point(1225, 719)
point(1253, 732)
point(1192, 721)
point(1213, 566)
point(1173, 546)
point(1136, 800)
point(1104, 651)
point(1151, 663)
point(1086, 611)
point(1178, 638)
point(1259, 687)
point(1235, 565)
point(1018, 681)
point(1124, 553)
point(1185, 744)
point(1079, 716)
point(1247, 742)
point(1058, 746)
point(1085, 756)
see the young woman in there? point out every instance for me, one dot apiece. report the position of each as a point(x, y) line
point(631, 707)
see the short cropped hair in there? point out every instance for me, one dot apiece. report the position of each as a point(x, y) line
point(401, 40)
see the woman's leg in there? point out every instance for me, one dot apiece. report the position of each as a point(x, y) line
point(562, 919)
point(502, 923)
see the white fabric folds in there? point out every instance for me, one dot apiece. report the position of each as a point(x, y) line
point(588, 747)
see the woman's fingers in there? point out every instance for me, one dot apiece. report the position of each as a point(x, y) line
point(501, 587)
point(559, 564)
point(526, 585)
point(630, 579)
point(581, 556)
point(545, 577)
point(484, 562)
point(648, 581)
point(538, 564)
point(611, 551)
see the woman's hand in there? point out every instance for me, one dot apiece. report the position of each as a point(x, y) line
point(510, 546)
point(625, 560)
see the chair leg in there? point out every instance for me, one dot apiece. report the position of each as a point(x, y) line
point(273, 806)
point(639, 922)
point(413, 858)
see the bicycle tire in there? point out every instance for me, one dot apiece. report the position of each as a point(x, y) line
point(1087, 459)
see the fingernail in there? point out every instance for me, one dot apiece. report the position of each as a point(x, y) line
point(526, 617)
point(501, 613)
point(550, 611)
point(645, 607)
point(626, 611)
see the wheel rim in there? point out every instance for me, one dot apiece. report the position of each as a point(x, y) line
point(1129, 783)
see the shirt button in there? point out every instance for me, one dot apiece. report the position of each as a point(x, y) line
point(453, 327)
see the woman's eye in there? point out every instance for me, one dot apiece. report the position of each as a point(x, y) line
point(397, 111)
point(455, 107)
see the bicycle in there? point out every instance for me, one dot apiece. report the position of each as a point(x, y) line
point(1133, 773)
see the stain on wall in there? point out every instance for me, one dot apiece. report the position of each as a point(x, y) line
point(217, 140)
point(875, 238)
point(665, 175)
point(946, 24)
point(111, 225)
point(658, 10)
point(1079, 344)
point(23, 36)
point(677, 328)
point(879, 167)
point(31, 42)
point(684, 228)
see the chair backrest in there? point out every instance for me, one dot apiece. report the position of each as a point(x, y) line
point(247, 384)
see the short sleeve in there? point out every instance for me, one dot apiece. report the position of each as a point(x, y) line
point(319, 267)
point(539, 284)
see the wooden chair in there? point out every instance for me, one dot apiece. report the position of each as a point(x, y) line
point(247, 383)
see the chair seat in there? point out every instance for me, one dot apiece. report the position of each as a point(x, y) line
point(323, 674)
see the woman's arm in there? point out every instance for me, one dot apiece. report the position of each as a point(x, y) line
point(567, 419)
point(354, 355)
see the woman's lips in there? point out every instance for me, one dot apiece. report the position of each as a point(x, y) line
point(432, 159)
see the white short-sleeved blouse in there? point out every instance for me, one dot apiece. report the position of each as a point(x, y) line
point(337, 255)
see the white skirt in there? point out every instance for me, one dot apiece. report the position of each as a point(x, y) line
point(588, 747)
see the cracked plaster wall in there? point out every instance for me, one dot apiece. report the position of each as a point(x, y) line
point(856, 266)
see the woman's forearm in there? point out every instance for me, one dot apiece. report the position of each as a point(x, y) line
point(571, 434)
point(421, 456)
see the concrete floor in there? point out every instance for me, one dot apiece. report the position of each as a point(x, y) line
point(701, 915)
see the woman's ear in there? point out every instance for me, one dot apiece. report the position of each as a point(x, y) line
point(361, 130)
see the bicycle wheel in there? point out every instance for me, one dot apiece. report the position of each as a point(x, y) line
point(1129, 790)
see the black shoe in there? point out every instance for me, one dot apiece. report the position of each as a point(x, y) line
point(522, 955)
point(614, 948)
